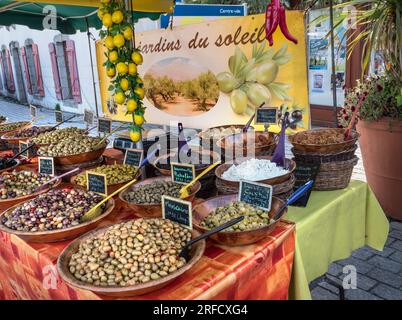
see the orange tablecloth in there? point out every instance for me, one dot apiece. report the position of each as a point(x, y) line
point(259, 271)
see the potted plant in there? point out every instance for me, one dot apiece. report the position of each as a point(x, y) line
point(380, 114)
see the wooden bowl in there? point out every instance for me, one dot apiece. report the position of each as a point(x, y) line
point(110, 187)
point(17, 163)
point(154, 210)
point(233, 239)
point(324, 148)
point(213, 157)
point(242, 144)
point(24, 125)
point(7, 203)
point(12, 139)
point(196, 252)
point(202, 134)
point(80, 157)
point(272, 181)
point(62, 234)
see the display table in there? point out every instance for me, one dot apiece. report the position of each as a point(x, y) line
point(333, 224)
point(260, 271)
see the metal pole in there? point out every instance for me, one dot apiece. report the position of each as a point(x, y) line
point(92, 67)
point(333, 76)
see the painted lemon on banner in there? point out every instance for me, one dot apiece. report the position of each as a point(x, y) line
point(128, 33)
point(113, 56)
point(120, 97)
point(121, 68)
point(135, 136)
point(105, 1)
point(118, 40)
point(140, 92)
point(109, 42)
point(131, 105)
point(117, 17)
point(132, 69)
point(139, 81)
point(137, 57)
point(124, 84)
point(111, 72)
point(107, 20)
point(138, 120)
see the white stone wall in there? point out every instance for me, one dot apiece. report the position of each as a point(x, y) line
point(42, 39)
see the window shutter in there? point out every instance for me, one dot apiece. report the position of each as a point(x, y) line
point(10, 72)
point(24, 60)
point(56, 77)
point(73, 68)
point(3, 68)
point(38, 69)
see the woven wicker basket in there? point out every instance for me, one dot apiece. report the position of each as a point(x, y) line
point(280, 188)
point(307, 157)
point(335, 175)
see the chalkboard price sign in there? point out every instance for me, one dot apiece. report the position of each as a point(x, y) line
point(266, 116)
point(182, 173)
point(59, 116)
point(256, 194)
point(33, 110)
point(28, 153)
point(104, 125)
point(88, 117)
point(303, 173)
point(134, 157)
point(46, 165)
point(177, 210)
point(96, 182)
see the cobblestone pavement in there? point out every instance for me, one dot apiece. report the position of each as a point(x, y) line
point(379, 274)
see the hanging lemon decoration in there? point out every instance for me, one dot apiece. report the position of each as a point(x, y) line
point(121, 63)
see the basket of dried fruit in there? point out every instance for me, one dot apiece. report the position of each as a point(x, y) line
point(209, 137)
point(323, 140)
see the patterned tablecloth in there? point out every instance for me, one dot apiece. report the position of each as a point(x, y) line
point(259, 271)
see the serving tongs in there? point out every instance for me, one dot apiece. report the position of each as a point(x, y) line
point(185, 251)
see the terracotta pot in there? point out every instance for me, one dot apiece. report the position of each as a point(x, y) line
point(381, 147)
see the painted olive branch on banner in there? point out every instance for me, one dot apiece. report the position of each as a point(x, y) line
point(121, 62)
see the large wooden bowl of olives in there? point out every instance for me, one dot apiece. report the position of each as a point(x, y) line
point(257, 225)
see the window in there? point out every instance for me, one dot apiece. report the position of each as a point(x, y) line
point(7, 70)
point(33, 70)
point(65, 70)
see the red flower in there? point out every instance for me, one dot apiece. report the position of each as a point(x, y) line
point(344, 111)
point(353, 108)
point(346, 117)
point(379, 87)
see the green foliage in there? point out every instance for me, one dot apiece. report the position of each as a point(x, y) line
point(381, 100)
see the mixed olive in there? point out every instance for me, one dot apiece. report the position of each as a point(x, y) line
point(32, 132)
point(13, 126)
point(71, 146)
point(152, 193)
point(20, 183)
point(254, 218)
point(56, 136)
point(115, 173)
point(55, 210)
point(130, 253)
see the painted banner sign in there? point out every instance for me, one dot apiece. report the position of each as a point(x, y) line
point(217, 73)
